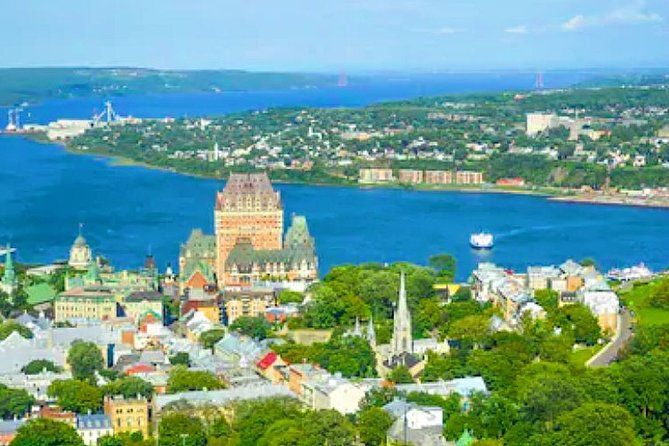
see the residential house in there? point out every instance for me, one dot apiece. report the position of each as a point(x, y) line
point(128, 415)
point(92, 427)
point(415, 424)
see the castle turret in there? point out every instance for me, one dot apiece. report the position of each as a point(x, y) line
point(371, 333)
point(8, 283)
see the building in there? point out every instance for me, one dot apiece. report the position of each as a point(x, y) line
point(375, 175)
point(92, 427)
point(333, 392)
point(136, 305)
point(90, 303)
point(400, 351)
point(207, 304)
point(8, 282)
point(540, 122)
point(80, 254)
point(197, 261)
point(296, 261)
point(247, 208)
point(8, 430)
point(128, 415)
point(411, 176)
point(438, 177)
point(415, 424)
point(468, 177)
point(251, 303)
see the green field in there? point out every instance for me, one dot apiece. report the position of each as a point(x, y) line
point(579, 357)
point(638, 300)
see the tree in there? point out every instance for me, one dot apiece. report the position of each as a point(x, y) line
point(444, 265)
point(287, 297)
point(327, 427)
point(578, 320)
point(254, 417)
point(596, 424)
point(210, 337)
point(378, 397)
point(373, 423)
point(181, 379)
point(14, 402)
point(8, 327)
point(181, 358)
point(129, 387)
point(589, 262)
point(37, 366)
point(77, 396)
point(84, 359)
point(659, 296)
point(45, 432)
point(400, 375)
point(255, 327)
point(177, 429)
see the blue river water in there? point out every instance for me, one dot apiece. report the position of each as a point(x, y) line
point(46, 192)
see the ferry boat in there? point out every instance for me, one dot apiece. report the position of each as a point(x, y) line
point(482, 240)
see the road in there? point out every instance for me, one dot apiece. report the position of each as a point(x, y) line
point(610, 352)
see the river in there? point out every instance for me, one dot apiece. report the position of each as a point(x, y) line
point(127, 211)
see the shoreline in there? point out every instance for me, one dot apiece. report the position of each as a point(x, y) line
point(548, 193)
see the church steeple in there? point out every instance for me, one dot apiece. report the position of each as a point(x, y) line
point(402, 341)
point(371, 332)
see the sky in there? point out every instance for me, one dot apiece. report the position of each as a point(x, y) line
point(333, 35)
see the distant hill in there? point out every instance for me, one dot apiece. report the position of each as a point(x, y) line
point(35, 84)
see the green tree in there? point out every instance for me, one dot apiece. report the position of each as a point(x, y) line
point(177, 429)
point(181, 358)
point(77, 396)
point(444, 265)
point(373, 423)
point(181, 379)
point(210, 337)
point(255, 327)
point(8, 327)
point(287, 297)
point(45, 432)
point(596, 424)
point(253, 418)
point(659, 297)
point(578, 321)
point(84, 358)
point(129, 387)
point(400, 375)
point(14, 402)
point(37, 366)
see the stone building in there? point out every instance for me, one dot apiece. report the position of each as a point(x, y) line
point(249, 209)
point(8, 282)
point(80, 254)
point(128, 415)
point(249, 245)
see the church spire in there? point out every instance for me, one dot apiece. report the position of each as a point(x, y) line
point(371, 332)
point(402, 341)
point(357, 331)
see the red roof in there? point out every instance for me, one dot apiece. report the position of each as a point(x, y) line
point(267, 360)
point(139, 368)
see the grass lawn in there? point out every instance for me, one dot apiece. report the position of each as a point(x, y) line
point(579, 357)
point(637, 299)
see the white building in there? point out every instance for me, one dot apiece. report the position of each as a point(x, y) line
point(540, 122)
point(333, 392)
point(92, 427)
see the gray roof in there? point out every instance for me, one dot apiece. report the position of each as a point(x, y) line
point(226, 396)
point(93, 421)
point(10, 426)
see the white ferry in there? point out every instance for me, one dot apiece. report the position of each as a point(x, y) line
point(482, 240)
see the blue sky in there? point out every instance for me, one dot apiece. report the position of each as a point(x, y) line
point(326, 35)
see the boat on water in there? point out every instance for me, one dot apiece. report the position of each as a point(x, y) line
point(482, 240)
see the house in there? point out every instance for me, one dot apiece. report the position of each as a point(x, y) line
point(36, 385)
point(415, 424)
point(8, 430)
point(127, 414)
point(196, 324)
point(465, 387)
point(269, 365)
point(333, 392)
point(602, 302)
point(136, 304)
point(92, 427)
point(87, 303)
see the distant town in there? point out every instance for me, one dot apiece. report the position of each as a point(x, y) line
point(602, 145)
point(244, 342)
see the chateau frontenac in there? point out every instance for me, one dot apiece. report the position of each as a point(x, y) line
point(249, 244)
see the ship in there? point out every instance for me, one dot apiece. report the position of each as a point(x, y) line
point(482, 240)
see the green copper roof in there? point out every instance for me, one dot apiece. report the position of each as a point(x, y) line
point(40, 293)
point(465, 439)
point(93, 273)
point(199, 245)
